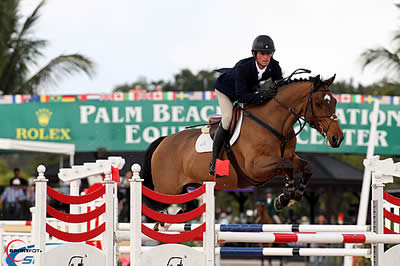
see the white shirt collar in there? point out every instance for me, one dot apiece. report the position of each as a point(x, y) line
point(260, 71)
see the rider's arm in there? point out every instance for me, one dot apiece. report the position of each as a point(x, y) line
point(243, 93)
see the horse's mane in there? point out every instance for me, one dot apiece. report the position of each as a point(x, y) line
point(285, 82)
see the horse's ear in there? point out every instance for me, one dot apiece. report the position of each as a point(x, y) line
point(317, 82)
point(330, 81)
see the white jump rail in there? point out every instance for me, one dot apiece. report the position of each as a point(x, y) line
point(382, 173)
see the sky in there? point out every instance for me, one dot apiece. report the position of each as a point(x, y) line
point(156, 39)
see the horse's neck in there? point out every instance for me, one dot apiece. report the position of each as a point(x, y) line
point(293, 96)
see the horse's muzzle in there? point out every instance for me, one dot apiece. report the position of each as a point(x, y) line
point(335, 140)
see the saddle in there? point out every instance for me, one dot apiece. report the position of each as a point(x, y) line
point(215, 119)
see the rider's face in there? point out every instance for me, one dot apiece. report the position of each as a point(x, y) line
point(263, 59)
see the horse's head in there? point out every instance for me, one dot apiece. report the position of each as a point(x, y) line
point(321, 111)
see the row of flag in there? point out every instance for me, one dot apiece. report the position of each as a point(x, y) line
point(117, 96)
point(358, 98)
point(168, 95)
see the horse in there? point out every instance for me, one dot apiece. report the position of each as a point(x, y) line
point(261, 215)
point(265, 148)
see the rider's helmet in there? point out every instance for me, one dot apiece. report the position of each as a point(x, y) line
point(263, 43)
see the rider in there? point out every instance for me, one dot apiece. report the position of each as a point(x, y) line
point(240, 83)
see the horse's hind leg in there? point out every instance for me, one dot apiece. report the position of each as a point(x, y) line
point(305, 167)
point(288, 193)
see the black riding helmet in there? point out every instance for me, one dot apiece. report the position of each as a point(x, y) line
point(263, 43)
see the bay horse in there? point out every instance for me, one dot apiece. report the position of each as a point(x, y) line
point(265, 148)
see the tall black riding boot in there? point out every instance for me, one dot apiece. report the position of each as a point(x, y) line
point(219, 139)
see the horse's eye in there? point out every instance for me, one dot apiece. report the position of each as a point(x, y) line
point(318, 104)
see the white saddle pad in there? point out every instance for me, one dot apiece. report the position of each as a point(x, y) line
point(204, 142)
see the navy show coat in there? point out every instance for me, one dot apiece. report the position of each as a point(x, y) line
point(241, 82)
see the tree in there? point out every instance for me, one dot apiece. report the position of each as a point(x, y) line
point(141, 81)
point(185, 80)
point(202, 81)
point(19, 51)
point(383, 58)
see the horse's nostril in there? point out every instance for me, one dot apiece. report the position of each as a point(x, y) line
point(335, 139)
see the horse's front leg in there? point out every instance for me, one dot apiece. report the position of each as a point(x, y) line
point(288, 194)
point(306, 168)
point(267, 166)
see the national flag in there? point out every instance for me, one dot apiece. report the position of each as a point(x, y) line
point(68, 98)
point(26, 98)
point(221, 167)
point(196, 95)
point(44, 98)
point(118, 96)
point(130, 96)
point(358, 98)
point(93, 97)
point(18, 98)
point(32, 99)
point(6, 99)
point(55, 98)
point(82, 97)
point(170, 95)
point(395, 100)
point(106, 97)
point(385, 99)
point(370, 99)
point(182, 95)
point(158, 95)
point(143, 96)
point(337, 97)
point(89, 97)
point(208, 95)
point(345, 98)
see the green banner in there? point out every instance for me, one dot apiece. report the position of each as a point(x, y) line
point(132, 125)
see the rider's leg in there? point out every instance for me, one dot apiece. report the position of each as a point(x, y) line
point(223, 129)
point(219, 140)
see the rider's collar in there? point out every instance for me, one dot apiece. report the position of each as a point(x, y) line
point(260, 71)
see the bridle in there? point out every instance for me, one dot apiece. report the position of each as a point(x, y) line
point(314, 123)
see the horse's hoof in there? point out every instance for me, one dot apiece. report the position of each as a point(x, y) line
point(277, 205)
point(281, 202)
point(156, 227)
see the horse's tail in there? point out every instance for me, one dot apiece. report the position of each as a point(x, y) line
point(148, 178)
point(146, 170)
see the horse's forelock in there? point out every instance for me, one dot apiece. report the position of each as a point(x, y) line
point(319, 83)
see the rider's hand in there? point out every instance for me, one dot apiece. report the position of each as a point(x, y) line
point(267, 94)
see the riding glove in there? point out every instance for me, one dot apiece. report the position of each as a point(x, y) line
point(267, 94)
